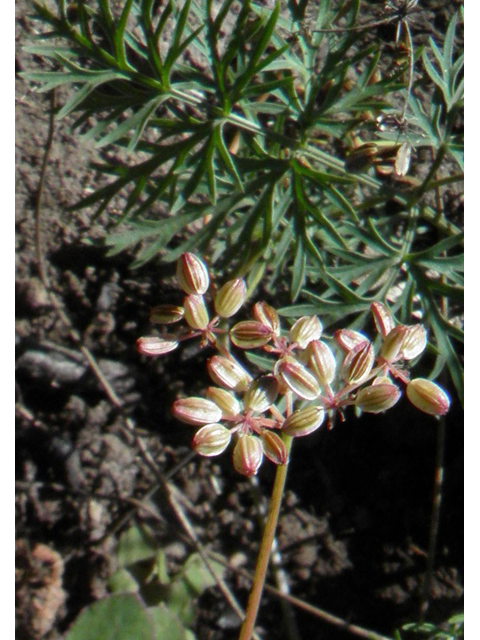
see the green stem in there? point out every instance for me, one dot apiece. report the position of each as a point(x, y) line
point(265, 547)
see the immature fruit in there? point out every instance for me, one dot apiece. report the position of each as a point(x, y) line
point(250, 334)
point(197, 411)
point(428, 397)
point(248, 455)
point(305, 330)
point(211, 440)
point(303, 421)
point(153, 346)
point(392, 344)
point(166, 314)
point(192, 274)
point(415, 341)
point(273, 447)
point(267, 315)
point(261, 394)
point(378, 397)
point(296, 377)
point(347, 339)
point(228, 373)
point(227, 402)
point(230, 298)
point(383, 318)
point(196, 313)
point(321, 361)
point(358, 363)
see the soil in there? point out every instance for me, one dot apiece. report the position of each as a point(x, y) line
point(354, 529)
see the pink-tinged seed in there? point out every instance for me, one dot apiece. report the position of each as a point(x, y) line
point(230, 298)
point(192, 274)
point(228, 373)
point(250, 334)
point(267, 315)
point(248, 455)
point(382, 317)
point(377, 398)
point(211, 440)
point(303, 421)
point(153, 346)
point(296, 377)
point(305, 330)
point(197, 411)
point(196, 313)
point(273, 447)
point(428, 397)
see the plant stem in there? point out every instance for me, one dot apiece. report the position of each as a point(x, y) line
point(434, 520)
point(265, 547)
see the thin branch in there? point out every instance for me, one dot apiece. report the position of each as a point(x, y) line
point(437, 490)
point(435, 520)
point(411, 67)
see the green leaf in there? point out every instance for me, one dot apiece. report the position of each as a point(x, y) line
point(226, 156)
point(119, 35)
point(451, 292)
point(176, 151)
point(262, 362)
point(76, 100)
point(145, 21)
point(198, 575)
point(255, 275)
point(373, 237)
point(342, 203)
point(437, 249)
point(360, 267)
point(432, 72)
point(437, 54)
point(282, 247)
point(136, 121)
point(122, 581)
point(203, 159)
point(450, 266)
point(298, 271)
point(338, 309)
point(107, 13)
point(167, 625)
point(135, 544)
point(457, 619)
point(298, 310)
point(253, 64)
point(221, 14)
point(177, 47)
point(162, 22)
point(161, 232)
point(53, 79)
point(333, 283)
point(181, 601)
point(117, 617)
point(449, 43)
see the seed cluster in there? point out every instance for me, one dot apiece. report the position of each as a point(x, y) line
point(309, 384)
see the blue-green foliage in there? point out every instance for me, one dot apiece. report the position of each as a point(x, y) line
point(253, 134)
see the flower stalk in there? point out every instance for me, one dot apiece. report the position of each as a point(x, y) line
point(265, 546)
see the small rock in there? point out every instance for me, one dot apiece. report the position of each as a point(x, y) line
point(54, 368)
point(33, 294)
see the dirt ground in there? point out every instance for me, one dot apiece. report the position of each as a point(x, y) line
point(353, 533)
